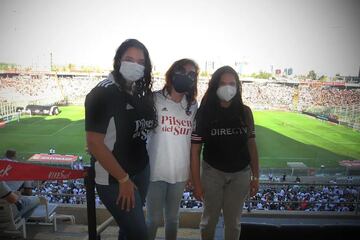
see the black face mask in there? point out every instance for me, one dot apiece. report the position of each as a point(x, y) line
point(182, 83)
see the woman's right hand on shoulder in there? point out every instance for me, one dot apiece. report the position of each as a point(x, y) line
point(126, 197)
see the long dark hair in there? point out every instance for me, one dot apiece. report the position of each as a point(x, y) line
point(143, 86)
point(176, 66)
point(142, 97)
point(211, 102)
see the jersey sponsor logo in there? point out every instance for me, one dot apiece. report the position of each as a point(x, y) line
point(141, 128)
point(228, 131)
point(175, 125)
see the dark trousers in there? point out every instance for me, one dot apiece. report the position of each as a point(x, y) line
point(132, 223)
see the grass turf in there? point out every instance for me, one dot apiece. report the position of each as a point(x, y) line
point(290, 137)
point(281, 137)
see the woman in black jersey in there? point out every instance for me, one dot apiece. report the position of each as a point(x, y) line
point(119, 112)
point(230, 167)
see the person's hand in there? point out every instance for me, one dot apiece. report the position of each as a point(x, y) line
point(126, 197)
point(19, 204)
point(189, 185)
point(254, 187)
point(198, 192)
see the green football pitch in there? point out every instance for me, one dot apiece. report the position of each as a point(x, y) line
point(281, 137)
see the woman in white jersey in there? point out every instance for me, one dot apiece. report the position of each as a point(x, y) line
point(169, 146)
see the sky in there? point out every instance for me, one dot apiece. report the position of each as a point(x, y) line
point(320, 35)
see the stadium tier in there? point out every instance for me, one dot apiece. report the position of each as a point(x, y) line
point(292, 95)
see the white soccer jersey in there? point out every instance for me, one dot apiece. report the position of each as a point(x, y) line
point(169, 144)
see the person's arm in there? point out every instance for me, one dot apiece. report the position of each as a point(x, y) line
point(254, 157)
point(195, 171)
point(195, 151)
point(99, 150)
point(9, 196)
point(254, 164)
point(6, 193)
point(189, 183)
point(97, 147)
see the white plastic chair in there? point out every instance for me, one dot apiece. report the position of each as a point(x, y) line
point(44, 214)
point(9, 223)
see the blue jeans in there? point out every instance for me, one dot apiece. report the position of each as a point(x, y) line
point(163, 196)
point(131, 223)
point(29, 203)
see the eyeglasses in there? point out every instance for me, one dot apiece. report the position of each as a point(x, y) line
point(191, 74)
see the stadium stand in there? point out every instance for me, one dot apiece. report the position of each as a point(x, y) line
point(272, 94)
point(47, 89)
point(313, 198)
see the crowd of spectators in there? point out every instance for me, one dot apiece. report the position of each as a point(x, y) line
point(74, 192)
point(284, 198)
point(327, 96)
point(39, 87)
point(75, 87)
point(269, 95)
point(286, 96)
point(28, 88)
point(66, 192)
point(188, 200)
point(305, 198)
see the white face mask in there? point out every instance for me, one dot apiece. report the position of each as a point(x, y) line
point(226, 92)
point(131, 71)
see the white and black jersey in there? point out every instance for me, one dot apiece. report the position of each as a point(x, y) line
point(109, 111)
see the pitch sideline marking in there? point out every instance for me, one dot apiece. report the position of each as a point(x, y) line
point(60, 130)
